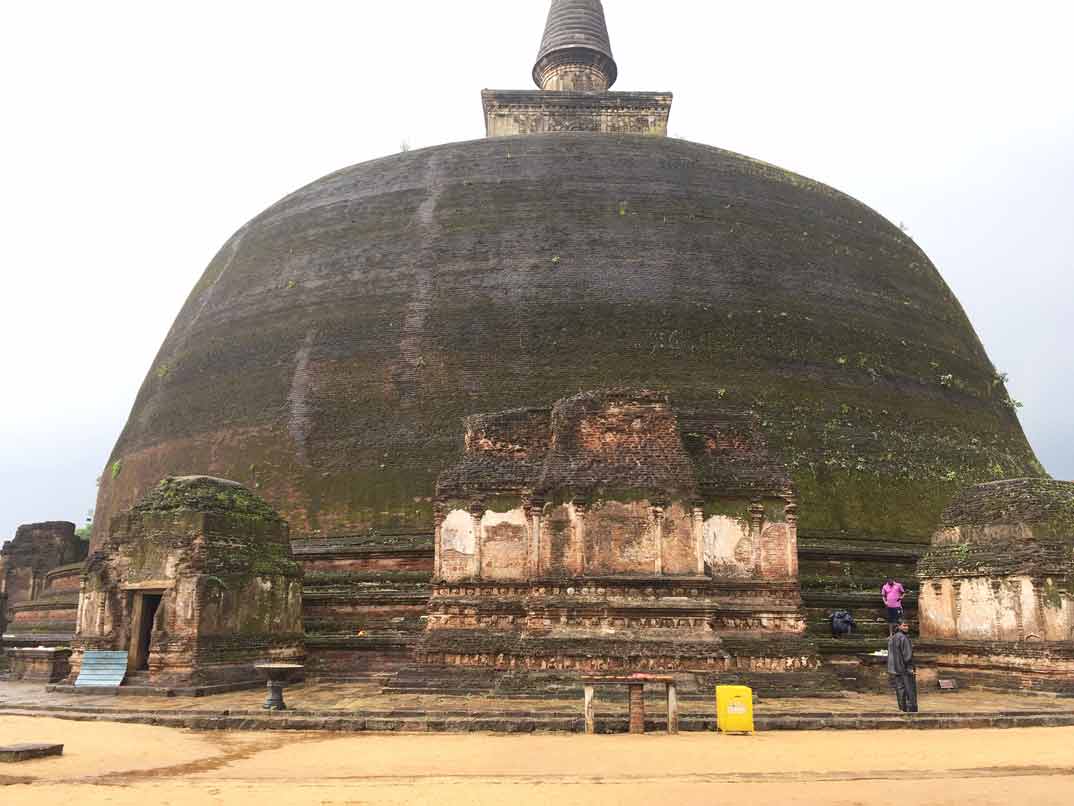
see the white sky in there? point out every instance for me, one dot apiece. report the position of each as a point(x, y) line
point(135, 137)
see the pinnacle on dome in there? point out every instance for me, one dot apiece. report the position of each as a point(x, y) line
point(576, 53)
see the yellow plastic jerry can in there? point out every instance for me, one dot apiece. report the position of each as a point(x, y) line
point(734, 709)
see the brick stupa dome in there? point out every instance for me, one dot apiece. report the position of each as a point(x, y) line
point(329, 353)
point(333, 346)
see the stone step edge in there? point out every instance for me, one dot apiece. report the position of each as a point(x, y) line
point(652, 707)
point(573, 724)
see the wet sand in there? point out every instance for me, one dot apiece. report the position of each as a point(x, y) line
point(136, 764)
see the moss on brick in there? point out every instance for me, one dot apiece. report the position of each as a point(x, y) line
point(205, 494)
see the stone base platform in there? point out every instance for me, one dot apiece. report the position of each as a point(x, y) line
point(524, 684)
point(1028, 666)
point(14, 753)
point(39, 664)
point(358, 708)
point(154, 691)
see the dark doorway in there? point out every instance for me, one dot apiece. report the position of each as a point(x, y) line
point(149, 603)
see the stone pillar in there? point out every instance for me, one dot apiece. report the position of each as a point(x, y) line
point(673, 708)
point(590, 720)
point(580, 508)
point(477, 512)
point(637, 707)
point(438, 549)
point(790, 512)
point(698, 523)
point(533, 515)
point(658, 529)
point(756, 510)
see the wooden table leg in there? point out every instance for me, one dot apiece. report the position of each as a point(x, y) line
point(590, 722)
point(673, 708)
point(637, 708)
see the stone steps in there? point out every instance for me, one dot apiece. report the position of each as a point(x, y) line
point(519, 722)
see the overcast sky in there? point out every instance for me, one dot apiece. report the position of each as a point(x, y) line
point(135, 137)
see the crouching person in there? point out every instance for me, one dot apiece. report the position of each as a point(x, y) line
point(901, 668)
point(842, 623)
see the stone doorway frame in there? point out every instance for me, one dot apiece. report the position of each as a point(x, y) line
point(140, 597)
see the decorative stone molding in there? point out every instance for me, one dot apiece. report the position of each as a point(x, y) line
point(518, 112)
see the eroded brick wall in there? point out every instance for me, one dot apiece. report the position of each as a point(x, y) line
point(37, 549)
point(1001, 567)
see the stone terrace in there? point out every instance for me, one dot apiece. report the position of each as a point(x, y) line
point(362, 707)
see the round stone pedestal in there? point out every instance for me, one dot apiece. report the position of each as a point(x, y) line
point(279, 674)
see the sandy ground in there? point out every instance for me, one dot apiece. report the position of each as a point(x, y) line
point(136, 764)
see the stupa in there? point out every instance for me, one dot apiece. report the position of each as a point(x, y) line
point(334, 346)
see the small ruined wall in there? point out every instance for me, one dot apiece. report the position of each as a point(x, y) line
point(561, 550)
point(605, 538)
point(63, 580)
point(386, 562)
point(365, 589)
point(728, 546)
point(504, 545)
point(36, 549)
point(678, 541)
point(750, 539)
point(458, 545)
point(997, 585)
point(1001, 566)
point(231, 593)
point(40, 570)
point(619, 538)
point(998, 609)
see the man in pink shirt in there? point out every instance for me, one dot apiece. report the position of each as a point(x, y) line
point(892, 594)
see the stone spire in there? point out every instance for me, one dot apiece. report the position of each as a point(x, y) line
point(576, 53)
point(574, 70)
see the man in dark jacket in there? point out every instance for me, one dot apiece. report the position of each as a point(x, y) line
point(901, 669)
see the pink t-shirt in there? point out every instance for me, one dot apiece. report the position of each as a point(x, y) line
point(892, 593)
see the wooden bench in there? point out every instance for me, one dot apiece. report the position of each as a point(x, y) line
point(635, 684)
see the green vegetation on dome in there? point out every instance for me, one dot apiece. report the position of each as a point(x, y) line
point(205, 494)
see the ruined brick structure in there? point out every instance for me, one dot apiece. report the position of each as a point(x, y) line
point(39, 571)
point(603, 533)
point(197, 583)
point(997, 586)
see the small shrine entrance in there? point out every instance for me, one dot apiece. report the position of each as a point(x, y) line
point(144, 607)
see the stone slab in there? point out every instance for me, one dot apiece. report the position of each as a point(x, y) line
point(14, 753)
point(158, 691)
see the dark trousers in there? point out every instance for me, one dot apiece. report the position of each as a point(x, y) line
point(905, 686)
